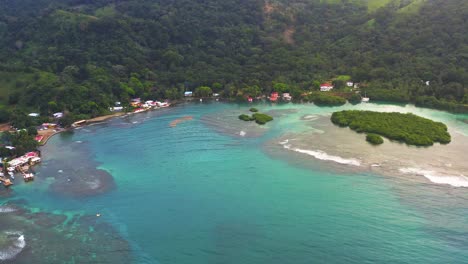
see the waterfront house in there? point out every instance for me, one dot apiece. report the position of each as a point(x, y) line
point(116, 108)
point(48, 125)
point(325, 87)
point(39, 138)
point(135, 104)
point(287, 97)
point(188, 94)
point(250, 99)
point(349, 84)
point(33, 114)
point(274, 96)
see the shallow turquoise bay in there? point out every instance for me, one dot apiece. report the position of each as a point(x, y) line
point(189, 194)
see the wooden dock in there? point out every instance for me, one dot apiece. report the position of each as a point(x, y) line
point(27, 176)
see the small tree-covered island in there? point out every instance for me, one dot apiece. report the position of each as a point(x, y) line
point(259, 118)
point(408, 128)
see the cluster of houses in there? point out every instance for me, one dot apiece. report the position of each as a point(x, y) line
point(190, 94)
point(19, 165)
point(326, 87)
point(275, 96)
point(140, 106)
point(57, 115)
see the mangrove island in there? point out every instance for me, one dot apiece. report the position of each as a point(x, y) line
point(259, 118)
point(408, 128)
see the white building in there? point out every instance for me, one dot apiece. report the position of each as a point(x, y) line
point(325, 87)
point(58, 115)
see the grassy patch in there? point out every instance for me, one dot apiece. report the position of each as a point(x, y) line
point(343, 78)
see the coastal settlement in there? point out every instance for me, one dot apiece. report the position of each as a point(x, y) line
point(18, 149)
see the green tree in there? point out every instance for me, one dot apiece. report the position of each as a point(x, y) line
point(203, 91)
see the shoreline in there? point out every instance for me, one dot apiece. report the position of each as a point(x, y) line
point(97, 120)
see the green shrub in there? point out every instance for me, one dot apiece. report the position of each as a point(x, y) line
point(245, 117)
point(355, 99)
point(374, 139)
point(262, 119)
point(322, 99)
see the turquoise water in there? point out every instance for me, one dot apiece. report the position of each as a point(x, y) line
point(189, 194)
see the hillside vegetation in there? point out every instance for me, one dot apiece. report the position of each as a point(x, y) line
point(81, 56)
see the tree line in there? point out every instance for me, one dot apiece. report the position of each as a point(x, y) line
point(81, 56)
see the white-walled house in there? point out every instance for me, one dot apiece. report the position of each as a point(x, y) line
point(58, 115)
point(325, 87)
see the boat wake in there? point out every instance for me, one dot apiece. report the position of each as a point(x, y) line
point(455, 181)
point(16, 244)
point(321, 155)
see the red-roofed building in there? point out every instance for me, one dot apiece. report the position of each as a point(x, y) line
point(325, 87)
point(274, 97)
point(250, 99)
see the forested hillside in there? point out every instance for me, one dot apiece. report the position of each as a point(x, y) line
point(80, 56)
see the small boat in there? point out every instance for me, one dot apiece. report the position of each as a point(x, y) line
point(365, 99)
point(201, 100)
point(7, 182)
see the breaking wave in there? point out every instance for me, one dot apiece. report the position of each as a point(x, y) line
point(6, 209)
point(321, 155)
point(17, 244)
point(455, 181)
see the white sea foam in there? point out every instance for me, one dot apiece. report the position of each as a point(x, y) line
point(18, 242)
point(242, 133)
point(321, 155)
point(6, 209)
point(455, 181)
point(309, 117)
